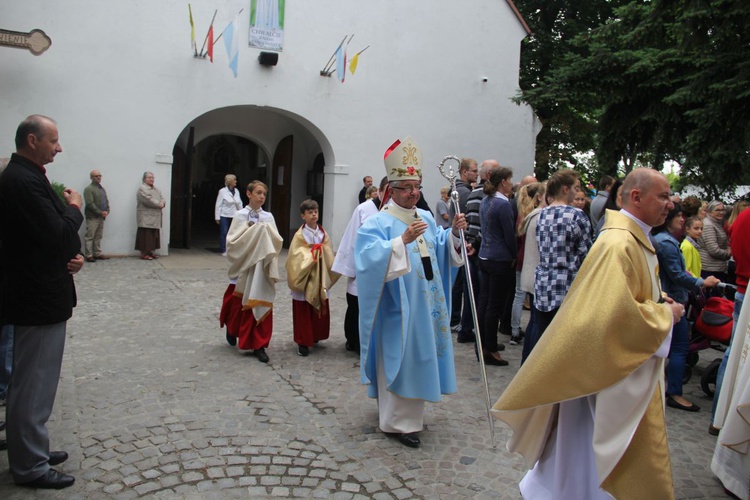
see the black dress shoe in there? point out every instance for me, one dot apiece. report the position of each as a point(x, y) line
point(261, 355)
point(57, 457)
point(52, 480)
point(674, 404)
point(410, 439)
point(231, 339)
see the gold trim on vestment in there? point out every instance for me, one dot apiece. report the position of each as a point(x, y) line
point(609, 325)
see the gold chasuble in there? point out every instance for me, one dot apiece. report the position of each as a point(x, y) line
point(308, 268)
point(601, 344)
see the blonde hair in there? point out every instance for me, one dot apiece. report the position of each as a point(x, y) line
point(527, 202)
point(251, 187)
point(738, 207)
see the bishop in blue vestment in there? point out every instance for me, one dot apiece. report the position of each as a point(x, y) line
point(405, 266)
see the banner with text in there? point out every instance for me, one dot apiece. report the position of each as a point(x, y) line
point(267, 24)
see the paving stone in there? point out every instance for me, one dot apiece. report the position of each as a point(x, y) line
point(160, 416)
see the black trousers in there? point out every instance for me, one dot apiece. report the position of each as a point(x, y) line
point(497, 285)
point(351, 322)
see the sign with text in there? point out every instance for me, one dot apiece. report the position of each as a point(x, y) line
point(36, 41)
point(267, 24)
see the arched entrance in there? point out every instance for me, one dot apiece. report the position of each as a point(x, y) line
point(284, 151)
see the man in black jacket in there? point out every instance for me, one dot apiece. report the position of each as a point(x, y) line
point(40, 254)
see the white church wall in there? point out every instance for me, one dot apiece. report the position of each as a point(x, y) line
point(122, 83)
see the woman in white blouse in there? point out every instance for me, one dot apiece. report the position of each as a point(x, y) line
point(227, 203)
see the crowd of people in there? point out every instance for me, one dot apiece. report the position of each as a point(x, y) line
point(611, 274)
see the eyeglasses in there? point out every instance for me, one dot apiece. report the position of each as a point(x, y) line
point(408, 188)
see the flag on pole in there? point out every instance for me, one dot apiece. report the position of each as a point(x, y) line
point(232, 43)
point(341, 62)
point(353, 63)
point(211, 43)
point(192, 31)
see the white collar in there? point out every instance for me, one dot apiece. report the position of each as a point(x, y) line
point(644, 227)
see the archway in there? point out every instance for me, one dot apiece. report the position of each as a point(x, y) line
point(284, 150)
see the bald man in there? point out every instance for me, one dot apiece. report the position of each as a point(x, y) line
point(40, 254)
point(97, 210)
point(590, 422)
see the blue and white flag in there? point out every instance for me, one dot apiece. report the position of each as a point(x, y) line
point(341, 62)
point(232, 43)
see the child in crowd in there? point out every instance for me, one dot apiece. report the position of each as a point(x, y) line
point(253, 246)
point(693, 230)
point(309, 276)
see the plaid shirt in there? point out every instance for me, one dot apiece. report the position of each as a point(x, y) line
point(473, 232)
point(564, 239)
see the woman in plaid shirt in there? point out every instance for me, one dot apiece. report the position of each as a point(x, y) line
point(564, 238)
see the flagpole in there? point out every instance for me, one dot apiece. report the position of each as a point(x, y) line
point(217, 38)
point(333, 56)
point(209, 29)
point(358, 53)
point(192, 32)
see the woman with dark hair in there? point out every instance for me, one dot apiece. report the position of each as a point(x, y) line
point(676, 282)
point(564, 239)
point(497, 254)
point(614, 202)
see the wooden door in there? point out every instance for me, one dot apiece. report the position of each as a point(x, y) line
point(281, 179)
point(182, 196)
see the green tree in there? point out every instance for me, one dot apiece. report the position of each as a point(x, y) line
point(569, 122)
point(664, 80)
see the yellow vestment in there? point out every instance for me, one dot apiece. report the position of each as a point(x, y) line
point(308, 269)
point(602, 343)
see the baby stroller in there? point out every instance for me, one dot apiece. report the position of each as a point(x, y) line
point(711, 321)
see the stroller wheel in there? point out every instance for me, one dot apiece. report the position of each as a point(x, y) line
point(708, 380)
point(687, 375)
point(692, 359)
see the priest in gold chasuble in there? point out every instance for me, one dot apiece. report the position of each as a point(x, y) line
point(587, 407)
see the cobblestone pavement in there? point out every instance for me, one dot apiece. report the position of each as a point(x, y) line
point(153, 403)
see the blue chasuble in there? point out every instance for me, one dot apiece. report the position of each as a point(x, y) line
point(408, 318)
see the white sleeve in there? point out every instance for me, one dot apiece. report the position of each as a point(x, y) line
point(217, 207)
point(399, 263)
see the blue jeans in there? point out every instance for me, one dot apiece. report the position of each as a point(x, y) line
point(518, 299)
point(6, 358)
point(678, 351)
point(532, 332)
point(738, 299)
point(224, 224)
